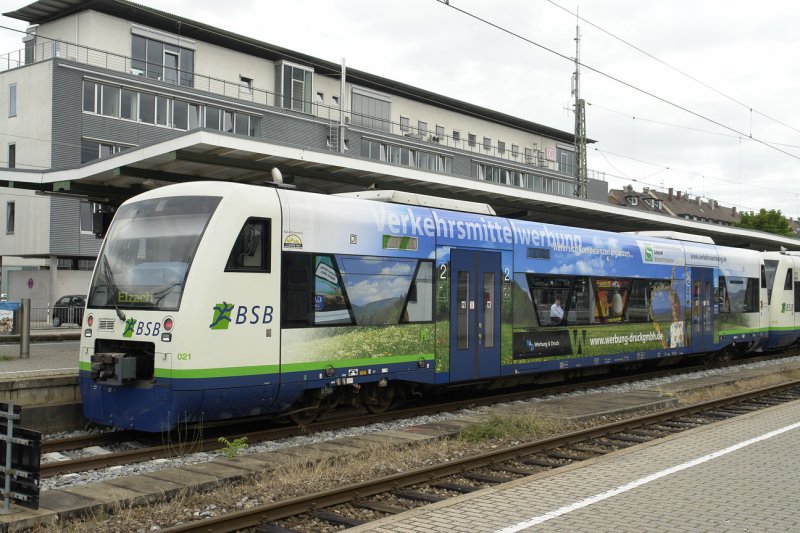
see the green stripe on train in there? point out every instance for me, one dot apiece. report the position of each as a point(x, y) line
point(177, 373)
point(742, 331)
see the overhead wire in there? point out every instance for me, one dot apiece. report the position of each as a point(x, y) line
point(617, 80)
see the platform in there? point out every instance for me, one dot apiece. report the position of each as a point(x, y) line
point(741, 474)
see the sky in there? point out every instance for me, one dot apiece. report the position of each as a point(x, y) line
point(695, 95)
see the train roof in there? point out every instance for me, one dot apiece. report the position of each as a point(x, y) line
point(674, 235)
point(421, 200)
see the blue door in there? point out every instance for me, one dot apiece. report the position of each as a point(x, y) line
point(474, 314)
point(702, 309)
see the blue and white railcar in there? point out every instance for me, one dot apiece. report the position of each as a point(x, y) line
point(783, 279)
point(219, 300)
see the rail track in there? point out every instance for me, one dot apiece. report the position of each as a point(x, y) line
point(199, 439)
point(359, 503)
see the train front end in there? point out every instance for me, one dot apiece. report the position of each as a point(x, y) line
point(147, 357)
point(133, 312)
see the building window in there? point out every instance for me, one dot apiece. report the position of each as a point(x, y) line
point(487, 143)
point(566, 160)
point(129, 107)
point(439, 134)
point(10, 217)
point(320, 98)
point(91, 150)
point(110, 100)
point(88, 209)
point(180, 114)
point(529, 155)
point(471, 139)
point(162, 61)
point(501, 147)
point(404, 124)
point(371, 110)
point(456, 136)
point(422, 127)
point(246, 85)
point(12, 100)
point(335, 100)
point(296, 87)
point(514, 151)
point(12, 155)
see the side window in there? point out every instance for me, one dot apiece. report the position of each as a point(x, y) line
point(639, 301)
point(611, 300)
point(250, 251)
point(378, 288)
point(330, 306)
point(797, 296)
point(545, 292)
point(787, 284)
point(419, 305)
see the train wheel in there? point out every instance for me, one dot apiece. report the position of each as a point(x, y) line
point(377, 399)
point(304, 411)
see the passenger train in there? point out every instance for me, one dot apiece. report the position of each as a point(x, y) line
point(213, 301)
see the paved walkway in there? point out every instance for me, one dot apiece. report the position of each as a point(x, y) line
point(57, 356)
point(737, 475)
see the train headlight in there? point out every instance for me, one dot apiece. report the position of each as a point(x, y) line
point(90, 320)
point(168, 324)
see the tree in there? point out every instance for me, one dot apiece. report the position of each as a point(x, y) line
point(771, 221)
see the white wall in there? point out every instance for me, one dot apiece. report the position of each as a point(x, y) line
point(68, 282)
point(31, 128)
point(32, 223)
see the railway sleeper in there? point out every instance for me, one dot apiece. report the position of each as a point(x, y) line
point(334, 518)
point(379, 507)
point(455, 487)
point(534, 461)
point(630, 438)
point(273, 528)
point(417, 496)
point(485, 478)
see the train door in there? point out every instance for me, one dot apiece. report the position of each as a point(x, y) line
point(702, 309)
point(474, 314)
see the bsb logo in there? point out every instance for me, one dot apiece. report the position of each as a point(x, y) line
point(134, 327)
point(223, 315)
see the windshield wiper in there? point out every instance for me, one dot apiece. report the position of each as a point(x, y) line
point(110, 278)
point(158, 296)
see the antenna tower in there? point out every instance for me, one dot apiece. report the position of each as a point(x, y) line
point(581, 175)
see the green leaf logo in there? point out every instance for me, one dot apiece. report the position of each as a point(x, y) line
point(222, 316)
point(129, 327)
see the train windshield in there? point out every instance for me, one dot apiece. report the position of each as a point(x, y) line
point(148, 252)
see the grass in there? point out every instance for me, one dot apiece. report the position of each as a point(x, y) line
point(516, 427)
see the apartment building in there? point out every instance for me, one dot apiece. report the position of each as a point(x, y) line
point(96, 80)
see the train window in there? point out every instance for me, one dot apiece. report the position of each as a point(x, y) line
point(770, 266)
point(787, 284)
point(378, 288)
point(545, 291)
point(330, 304)
point(250, 252)
point(739, 295)
point(296, 289)
point(797, 296)
point(610, 300)
point(578, 309)
point(419, 307)
point(638, 309)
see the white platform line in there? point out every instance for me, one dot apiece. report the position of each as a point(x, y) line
point(37, 370)
point(641, 481)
